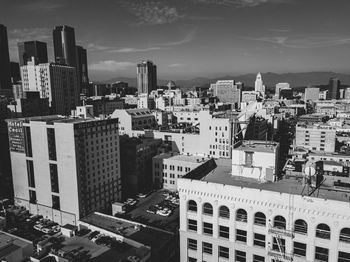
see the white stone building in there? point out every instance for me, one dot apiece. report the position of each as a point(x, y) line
point(224, 217)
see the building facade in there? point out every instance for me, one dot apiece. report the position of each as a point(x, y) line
point(56, 82)
point(168, 167)
point(146, 77)
point(65, 168)
point(227, 92)
point(316, 137)
point(136, 155)
point(5, 72)
point(228, 218)
point(29, 49)
point(64, 45)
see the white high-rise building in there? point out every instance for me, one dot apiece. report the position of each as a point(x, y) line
point(64, 168)
point(259, 85)
point(58, 83)
point(226, 217)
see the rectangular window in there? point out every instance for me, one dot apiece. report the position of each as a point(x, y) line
point(54, 178)
point(224, 252)
point(299, 249)
point(56, 202)
point(321, 254)
point(51, 143)
point(192, 224)
point(259, 240)
point(192, 244)
point(32, 196)
point(28, 141)
point(240, 256)
point(207, 248)
point(343, 257)
point(30, 173)
point(192, 259)
point(224, 232)
point(257, 258)
point(241, 235)
point(207, 228)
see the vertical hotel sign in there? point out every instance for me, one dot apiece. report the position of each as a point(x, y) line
point(16, 136)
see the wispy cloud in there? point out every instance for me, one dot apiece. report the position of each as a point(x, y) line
point(110, 65)
point(154, 12)
point(303, 42)
point(134, 50)
point(176, 65)
point(240, 3)
point(41, 5)
point(189, 36)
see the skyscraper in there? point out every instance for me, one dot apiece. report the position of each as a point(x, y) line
point(259, 85)
point(5, 67)
point(333, 88)
point(83, 76)
point(15, 72)
point(54, 81)
point(146, 77)
point(29, 49)
point(64, 45)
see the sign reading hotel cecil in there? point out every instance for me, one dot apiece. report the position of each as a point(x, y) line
point(16, 136)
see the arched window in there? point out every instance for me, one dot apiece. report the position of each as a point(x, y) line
point(241, 215)
point(260, 219)
point(207, 209)
point(224, 212)
point(279, 222)
point(300, 227)
point(192, 206)
point(345, 235)
point(323, 231)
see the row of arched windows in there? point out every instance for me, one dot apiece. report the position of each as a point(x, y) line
point(300, 225)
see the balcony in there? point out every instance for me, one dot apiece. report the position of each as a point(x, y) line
point(281, 232)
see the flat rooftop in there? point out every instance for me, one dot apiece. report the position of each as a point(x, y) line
point(148, 236)
point(223, 175)
point(54, 119)
point(83, 246)
point(258, 146)
point(335, 154)
point(182, 158)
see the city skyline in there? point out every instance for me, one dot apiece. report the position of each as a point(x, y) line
point(197, 38)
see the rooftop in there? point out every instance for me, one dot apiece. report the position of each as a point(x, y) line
point(8, 249)
point(222, 174)
point(182, 158)
point(54, 119)
point(258, 146)
point(148, 236)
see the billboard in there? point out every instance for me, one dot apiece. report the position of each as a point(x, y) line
point(16, 136)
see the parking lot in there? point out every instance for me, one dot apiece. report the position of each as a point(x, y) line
point(20, 223)
point(159, 209)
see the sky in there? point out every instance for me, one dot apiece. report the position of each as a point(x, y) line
point(191, 38)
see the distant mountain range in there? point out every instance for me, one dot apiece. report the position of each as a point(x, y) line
point(270, 79)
